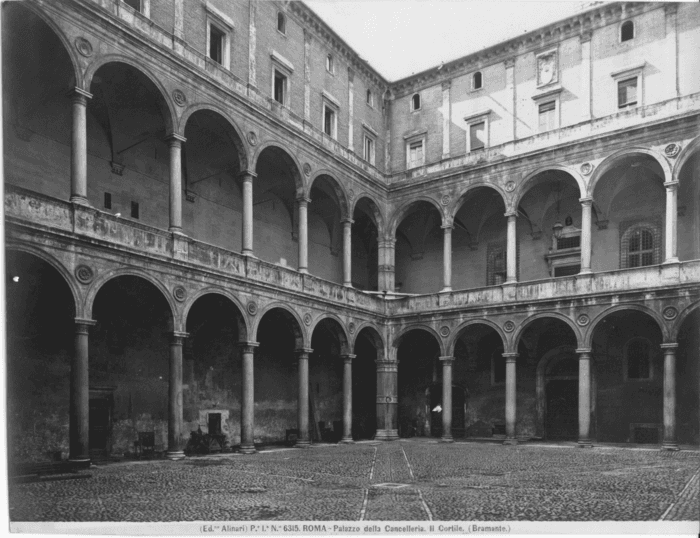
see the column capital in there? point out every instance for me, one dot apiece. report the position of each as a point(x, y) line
point(586, 36)
point(671, 185)
point(79, 94)
point(586, 201)
point(513, 213)
point(386, 242)
point(509, 63)
point(347, 220)
point(386, 365)
point(174, 139)
point(303, 200)
point(447, 226)
point(347, 357)
point(82, 325)
point(510, 357)
point(246, 175)
point(303, 353)
point(669, 346)
point(584, 352)
point(447, 359)
point(248, 347)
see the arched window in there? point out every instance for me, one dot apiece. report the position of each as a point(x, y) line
point(476, 80)
point(627, 31)
point(640, 246)
point(329, 63)
point(281, 22)
point(415, 102)
point(370, 98)
point(638, 363)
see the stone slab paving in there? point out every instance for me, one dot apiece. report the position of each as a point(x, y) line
point(426, 480)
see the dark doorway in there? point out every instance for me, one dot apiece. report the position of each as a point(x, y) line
point(214, 424)
point(562, 409)
point(100, 424)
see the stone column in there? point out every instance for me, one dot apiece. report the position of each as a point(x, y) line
point(586, 208)
point(585, 80)
point(78, 156)
point(79, 414)
point(175, 451)
point(303, 204)
point(387, 400)
point(511, 396)
point(351, 109)
point(175, 143)
point(669, 442)
point(347, 398)
point(248, 398)
point(584, 398)
point(447, 257)
point(511, 250)
point(671, 221)
point(446, 119)
point(247, 229)
point(347, 251)
point(386, 264)
point(447, 399)
point(303, 398)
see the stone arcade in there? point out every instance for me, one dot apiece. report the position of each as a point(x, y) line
point(220, 218)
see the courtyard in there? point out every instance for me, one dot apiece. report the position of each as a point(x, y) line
point(407, 480)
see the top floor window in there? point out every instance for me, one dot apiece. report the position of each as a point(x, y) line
point(626, 31)
point(627, 92)
point(136, 4)
point(370, 98)
point(330, 67)
point(477, 81)
point(281, 23)
point(217, 39)
point(415, 102)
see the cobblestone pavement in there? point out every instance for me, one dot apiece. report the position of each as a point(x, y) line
point(415, 479)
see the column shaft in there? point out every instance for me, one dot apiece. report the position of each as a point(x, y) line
point(347, 398)
point(78, 162)
point(303, 235)
point(669, 442)
point(386, 264)
point(175, 398)
point(303, 399)
point(248, 398)
point(671, 221)
point(347, 252)
point(511, 251)
point(584, 398)
point(247, 229)
point(586, 208)
point(447, 398)
point(447, 258)
point(175, 144)
point(511, 395)
point(79, 421)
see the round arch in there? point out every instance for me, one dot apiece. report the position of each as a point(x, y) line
point(375, 337)
point(240, 144)
point(403, 210)
point(688, 152)
point(296, 168)
point(96, 286)
point(243, 323)
point(78, 300)
point(300, 335)
point(611, 160)
point(341, 334)
point(78, 74)
point(461, 330)
point(587, 340)
point(542, 315)
point(337, 188)
point(441, 345)
point(465, 194)
point(168, 113)
point(525, 183)
point(377, 215)
point(687, 311)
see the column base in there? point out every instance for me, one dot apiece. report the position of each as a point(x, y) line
point(670, 447)
point(585, 271)
point(174, 455)
point(347, 284)
point(386, 435)
point(446, 290)
point(80, 462)
point(247, 449)
point(449, 439)
point(585, 443)
point(671, 261)
point(248, 253)
point(510, 282)
point(302, 443)
point(303, 271)
point(80, 200)
point(510, 442)
point(347, 441)
point(177, 231)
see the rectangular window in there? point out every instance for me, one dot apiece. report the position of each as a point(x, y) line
point(134, 210)
point(627, 92)
point(569, 242)
point(547, 118)
point(108, 201)
point(136, 4)
point(216, 44)
point(477, 136)
point(415, 154)
point(329, 121)
point(280, 87)
point(369, 150)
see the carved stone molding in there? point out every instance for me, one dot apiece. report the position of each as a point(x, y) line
point(670, 312)
point(252, 138)
point(84, 46)
point(672, 150)
point(307, 169)
point(180, 293)
point(446, 199)
point(583, 320)
point(444, 331)
point(84, 274)
point(510, 186)
point(586, 168)
point(179, 97)
point(351, 328)
point(509, 326)
point(117, 168)
point(307, 319)
point(252, 308)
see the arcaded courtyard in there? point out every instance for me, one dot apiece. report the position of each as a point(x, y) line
point(405, 480)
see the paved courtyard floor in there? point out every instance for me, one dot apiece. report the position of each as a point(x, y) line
point(415, 479)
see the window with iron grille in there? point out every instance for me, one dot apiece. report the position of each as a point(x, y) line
point(640, 244)
point(573, 241)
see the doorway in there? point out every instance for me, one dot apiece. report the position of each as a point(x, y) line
point(561, 397)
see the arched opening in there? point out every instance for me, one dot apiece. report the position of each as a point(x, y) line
point(419, 374)
point(627, 351)
point(213, 207)
point(479, 371)
point(549, 225)
point(689, 209)
point(368, 348)
point(40, 311)
point(419, 245)
point(326, 381)
point(365, 253)
point(479, 240)
point(547, 381)
point(211, 374)
point(128, 157)
point(688, 380)
point(627, 31)
point(275, 227)
point(129, 366)
point(628, 200)
point(326, 209)
point(37, 74)
point(276, 379)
